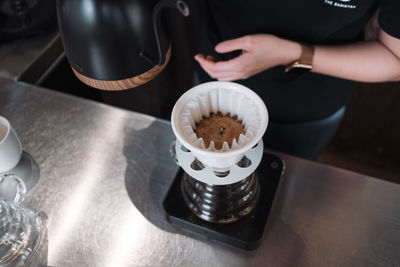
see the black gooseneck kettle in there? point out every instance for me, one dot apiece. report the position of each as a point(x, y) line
point(117, 44)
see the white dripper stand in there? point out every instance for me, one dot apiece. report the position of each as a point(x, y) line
point(219, 186)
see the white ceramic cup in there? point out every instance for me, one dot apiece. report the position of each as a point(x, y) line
point(10, 146)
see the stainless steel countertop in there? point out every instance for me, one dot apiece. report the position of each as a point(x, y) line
point(105, 171)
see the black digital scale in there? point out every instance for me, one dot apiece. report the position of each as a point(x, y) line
point(245, 233)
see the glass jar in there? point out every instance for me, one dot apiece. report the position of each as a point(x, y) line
point(23, 235)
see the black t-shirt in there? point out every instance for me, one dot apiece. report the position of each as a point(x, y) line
point(295, 97)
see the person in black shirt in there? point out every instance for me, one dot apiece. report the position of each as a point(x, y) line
point(252, 42)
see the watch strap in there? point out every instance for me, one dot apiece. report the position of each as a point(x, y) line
point(306, 59)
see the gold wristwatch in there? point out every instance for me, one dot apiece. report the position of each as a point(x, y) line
point(304, 63)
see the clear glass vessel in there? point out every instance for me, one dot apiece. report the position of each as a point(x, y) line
point(23, 235)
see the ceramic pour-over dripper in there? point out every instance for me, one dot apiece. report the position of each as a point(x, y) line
point(224, 97)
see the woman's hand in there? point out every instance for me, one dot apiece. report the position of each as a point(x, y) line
point(259, 52)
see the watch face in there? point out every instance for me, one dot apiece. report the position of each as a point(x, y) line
point(298, 70)
point(297, 67)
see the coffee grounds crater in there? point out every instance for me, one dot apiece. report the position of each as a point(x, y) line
point(219, 128)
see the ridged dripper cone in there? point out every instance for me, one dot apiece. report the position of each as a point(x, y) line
point(227, 98)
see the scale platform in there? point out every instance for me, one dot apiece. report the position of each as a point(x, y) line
point(245, 233)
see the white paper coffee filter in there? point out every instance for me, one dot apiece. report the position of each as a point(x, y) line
point(226, 97)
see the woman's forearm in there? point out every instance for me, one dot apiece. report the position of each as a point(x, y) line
point(370, 61)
